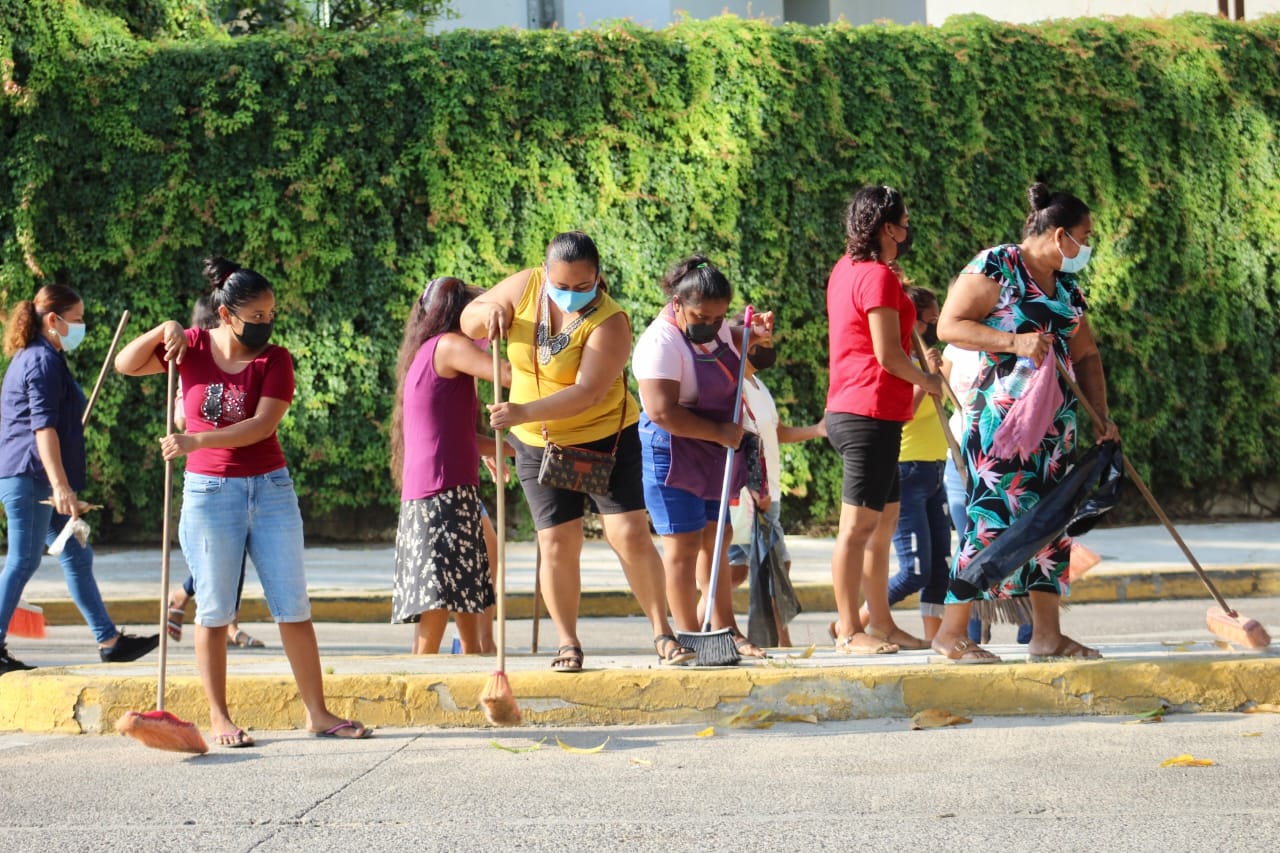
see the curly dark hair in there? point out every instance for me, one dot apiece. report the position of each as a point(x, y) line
point(870, 209)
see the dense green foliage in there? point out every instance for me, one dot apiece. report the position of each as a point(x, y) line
point(350, 169)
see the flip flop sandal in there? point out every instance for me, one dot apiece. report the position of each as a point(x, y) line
point(174, 624)
point(677, 655)
point(239, 739)
point(912, 645)
point(845, 645)
point(567, 659)
point(748, 649)
point(361, 732)
point(963, 649)
point(244, 641)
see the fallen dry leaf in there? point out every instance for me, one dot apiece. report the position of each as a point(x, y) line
point(1223, 644)
point(578, 750)
point(1155, 715)
point(709, 731)
point(641, 762)
point(801, 718)
point(532, 748)
point(807, 653)
point(748, 718)
point(936, 718)
point(1186, 761)
point(1263, 708)
point(1251, 734)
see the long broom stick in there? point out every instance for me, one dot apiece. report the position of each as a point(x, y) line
point(159, 729)
point(1221, 620)
point(499, 702)
point(102, 374)
point(956, 455)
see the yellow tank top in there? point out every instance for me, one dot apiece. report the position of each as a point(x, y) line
point(599, 421)
point(922, 437)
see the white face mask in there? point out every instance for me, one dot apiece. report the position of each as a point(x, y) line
point(1080, 261)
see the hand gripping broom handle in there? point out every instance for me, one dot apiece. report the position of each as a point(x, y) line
point(1146, 493)
point(500, 501)
point(723, 516)
point(956, 455)
point(164, 540)
point(102, 374)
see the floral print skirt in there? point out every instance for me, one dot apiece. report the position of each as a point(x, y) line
point(441, 562)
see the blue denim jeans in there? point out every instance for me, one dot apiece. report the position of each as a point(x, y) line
point(222, 517)
point(32, 526)
point(923, 537)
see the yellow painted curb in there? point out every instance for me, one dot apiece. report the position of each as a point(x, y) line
point(64, 701)
point(1147, 585)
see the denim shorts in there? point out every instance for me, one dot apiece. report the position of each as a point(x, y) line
point(671, 510)
point(222, 518)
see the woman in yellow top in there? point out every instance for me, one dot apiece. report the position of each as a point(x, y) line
point(568, 344)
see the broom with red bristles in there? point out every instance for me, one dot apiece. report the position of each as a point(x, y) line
point(159, 729)
point(499, 703)
point(1222, 620)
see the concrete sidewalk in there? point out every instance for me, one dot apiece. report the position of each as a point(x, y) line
point(353, 584)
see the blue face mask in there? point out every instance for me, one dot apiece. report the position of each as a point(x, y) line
point(73, 337)
point(570, 301)
point(1074, 265)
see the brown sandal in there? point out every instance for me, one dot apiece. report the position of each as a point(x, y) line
point(964, 652)
point(567, 659)
point(676, 654)
point(899, 638)
point(846, 645)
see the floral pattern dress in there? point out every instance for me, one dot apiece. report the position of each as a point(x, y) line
point(1002, 489)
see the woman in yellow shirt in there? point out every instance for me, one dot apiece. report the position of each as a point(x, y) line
point(568, 342)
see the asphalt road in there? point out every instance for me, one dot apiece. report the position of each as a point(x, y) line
point(994, 784)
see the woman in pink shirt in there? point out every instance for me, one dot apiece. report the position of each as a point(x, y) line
point(869, 399)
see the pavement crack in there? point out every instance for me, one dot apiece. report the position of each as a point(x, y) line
point(301, 816)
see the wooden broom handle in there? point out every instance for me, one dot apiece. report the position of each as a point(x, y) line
point(1146, 493)
point(956, 455)
point(500, 502)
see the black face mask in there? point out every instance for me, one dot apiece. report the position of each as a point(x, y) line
point(930, 336)
point(255, 335)
point(905, 245)
point(702, 333)
point(762, 358)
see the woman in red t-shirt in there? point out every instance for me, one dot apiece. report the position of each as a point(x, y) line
point(237, 493)
point(870, 320)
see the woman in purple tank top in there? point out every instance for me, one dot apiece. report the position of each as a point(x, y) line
point(442, 565)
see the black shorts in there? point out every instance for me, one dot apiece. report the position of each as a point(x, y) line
point(869, 448)
point(551, 506)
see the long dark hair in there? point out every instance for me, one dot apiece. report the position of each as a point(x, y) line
point(696, 279)
point(921, 297)
point(1050, 210)
point(231, 284)
point(23, 326)
point(869, 210)
point(436, 311)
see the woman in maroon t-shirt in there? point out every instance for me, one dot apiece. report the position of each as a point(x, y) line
point(237, 493)
point(870, 320)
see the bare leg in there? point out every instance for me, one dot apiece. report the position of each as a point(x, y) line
point(469, 627)
point(1046, 629)
point(931, 625)
point(299, 640)
point(561, 572)
point(857, 525)
point(680, 562)
point(875, 582)
point(628, 536)
point(428, 632)
point(211, 657)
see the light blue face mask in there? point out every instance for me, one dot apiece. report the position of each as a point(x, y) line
point(570, 301)
point(1080, 261)
point(73, 337)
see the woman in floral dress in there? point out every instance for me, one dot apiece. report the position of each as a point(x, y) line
point(1019, 304)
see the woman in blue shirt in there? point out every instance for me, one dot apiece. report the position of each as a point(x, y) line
point(41, 458)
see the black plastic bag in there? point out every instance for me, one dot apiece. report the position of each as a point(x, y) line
point(770, 584)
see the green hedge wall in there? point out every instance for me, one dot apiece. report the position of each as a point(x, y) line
point(350, 169)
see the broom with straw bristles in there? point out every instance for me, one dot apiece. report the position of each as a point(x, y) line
point(159, 729)
point(499, 703)
point(1221, 620)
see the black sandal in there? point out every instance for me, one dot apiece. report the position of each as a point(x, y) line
point(567, 659)
point(676, 654)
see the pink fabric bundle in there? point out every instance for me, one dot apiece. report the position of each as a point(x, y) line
point(1030, 418)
